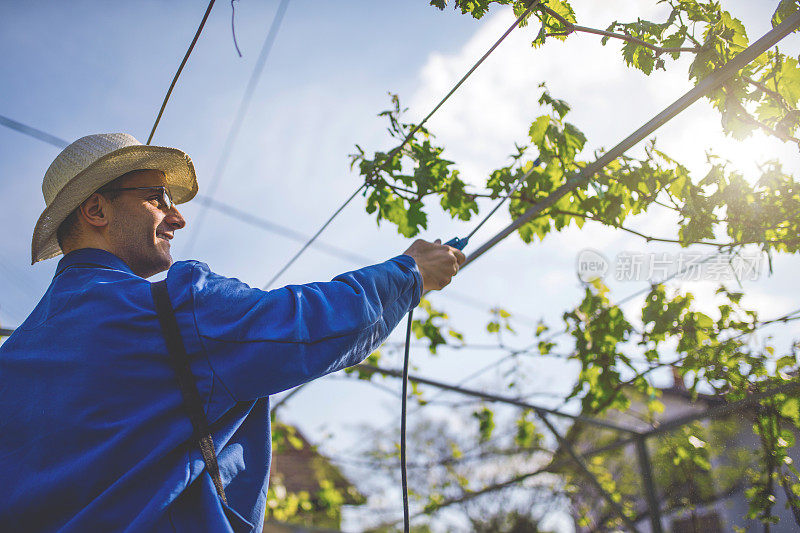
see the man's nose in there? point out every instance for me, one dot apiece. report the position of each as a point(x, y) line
point(175, 219)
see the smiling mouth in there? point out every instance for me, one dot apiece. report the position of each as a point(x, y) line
point(166, 236)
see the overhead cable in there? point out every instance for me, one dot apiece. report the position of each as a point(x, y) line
point(241, 112)
point(407, 138)
point(706, 85)
point(490, 397)
point(180, 68)
point(60, 143)
point(279, 229)
point(33, 132)
point(310, 241)
point(233, 28)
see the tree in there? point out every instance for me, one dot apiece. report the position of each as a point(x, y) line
point(465, 452)
point(720, 209)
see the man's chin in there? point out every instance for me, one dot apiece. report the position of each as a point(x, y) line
point(157, 263)
point(164, 252)
point(166, 261)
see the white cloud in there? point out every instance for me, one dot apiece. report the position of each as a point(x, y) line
point(494, 108)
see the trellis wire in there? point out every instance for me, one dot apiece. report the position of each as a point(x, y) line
point(404, 142)
point(180, 69)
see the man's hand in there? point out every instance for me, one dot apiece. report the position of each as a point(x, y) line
point(437, 262)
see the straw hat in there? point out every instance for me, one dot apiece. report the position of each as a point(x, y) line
point(93, 161)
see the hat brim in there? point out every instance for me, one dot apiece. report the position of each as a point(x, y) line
point(175, 164)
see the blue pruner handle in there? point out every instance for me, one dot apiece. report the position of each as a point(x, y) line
point(455, 242)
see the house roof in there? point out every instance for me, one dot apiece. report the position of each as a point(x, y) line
point(681, 392)
point(300, 467)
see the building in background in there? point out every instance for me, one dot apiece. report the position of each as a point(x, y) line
point(306, 491)
point(703, 472)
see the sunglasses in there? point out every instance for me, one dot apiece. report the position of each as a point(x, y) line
point(165, 202)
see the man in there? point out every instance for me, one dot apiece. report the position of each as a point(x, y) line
point(93, 431)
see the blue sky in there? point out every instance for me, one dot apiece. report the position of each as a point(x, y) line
point(80, 67)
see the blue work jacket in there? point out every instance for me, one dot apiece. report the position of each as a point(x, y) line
point(93, 433)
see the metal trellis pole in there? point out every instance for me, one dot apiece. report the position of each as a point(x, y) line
point(649, 486)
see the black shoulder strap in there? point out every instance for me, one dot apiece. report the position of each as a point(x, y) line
point(191, 397)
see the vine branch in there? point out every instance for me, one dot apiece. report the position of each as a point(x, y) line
point(571, 27)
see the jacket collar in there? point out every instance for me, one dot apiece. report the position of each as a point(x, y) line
point(92, 256)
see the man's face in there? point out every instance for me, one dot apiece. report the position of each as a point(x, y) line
point(140, 229)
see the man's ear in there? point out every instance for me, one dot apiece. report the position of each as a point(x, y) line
point(95, 210)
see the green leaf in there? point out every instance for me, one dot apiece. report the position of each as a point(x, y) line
point(734, 31)
point(704, 321)
point(409, 220)
point(526, 435)
point(791, 409)
point(456, 335)
point(485, 419)
point(784, 10)
point(538, 129)
point(562, 8)
point(575, 140)
point(639, 57)
point(541, 328)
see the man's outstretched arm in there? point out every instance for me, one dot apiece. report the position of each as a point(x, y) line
point(262, 342)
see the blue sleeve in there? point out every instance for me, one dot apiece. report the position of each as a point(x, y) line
point(262, 342)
